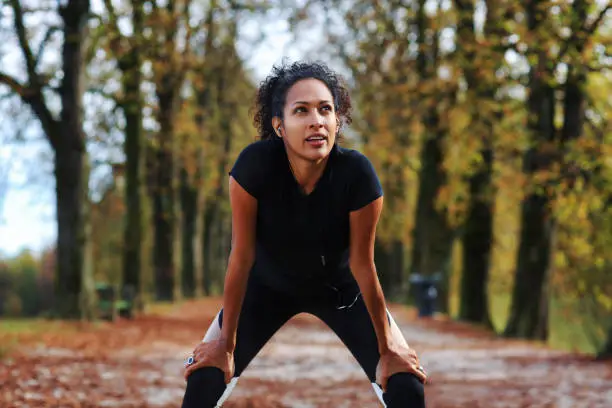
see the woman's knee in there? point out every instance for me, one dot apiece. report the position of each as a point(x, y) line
point(204, 388)
point(404, 390)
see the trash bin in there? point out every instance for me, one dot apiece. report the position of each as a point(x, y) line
point(426, 293)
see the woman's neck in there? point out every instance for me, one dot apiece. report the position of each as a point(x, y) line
point(306, 173)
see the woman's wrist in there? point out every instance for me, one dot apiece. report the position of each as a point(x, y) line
point(228, 343)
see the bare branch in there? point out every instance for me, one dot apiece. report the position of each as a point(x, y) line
point(587, 31)
point(23, 40)
point(112, 14)
point(43, 43)
point(32, 96)
point(593, 27)
point(116, 37)
point(13, 84)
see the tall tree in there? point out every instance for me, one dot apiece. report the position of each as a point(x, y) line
point(67, 139)
point(433, 235)
point(193, 166)
point(128, 50)
point(170, 64)
point(480, 64)
point(530, 300)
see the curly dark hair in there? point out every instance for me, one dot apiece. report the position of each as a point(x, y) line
point(272, 92)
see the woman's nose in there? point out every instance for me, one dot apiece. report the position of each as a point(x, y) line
point(317, 120)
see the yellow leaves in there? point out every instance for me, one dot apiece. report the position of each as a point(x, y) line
point(605, 300)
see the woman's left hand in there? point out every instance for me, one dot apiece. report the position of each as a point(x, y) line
point(398, 359)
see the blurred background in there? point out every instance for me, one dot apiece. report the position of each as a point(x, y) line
point(488, 123)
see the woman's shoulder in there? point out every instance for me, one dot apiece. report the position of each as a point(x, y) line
point(259, 152)
point(254, 165)
point(352, 159)
point(261, 147)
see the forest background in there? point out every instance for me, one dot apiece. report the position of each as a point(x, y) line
point(488, 123)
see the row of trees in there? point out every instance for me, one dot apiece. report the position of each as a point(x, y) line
point(464, 105)
point(482, 118)
point(175, 82)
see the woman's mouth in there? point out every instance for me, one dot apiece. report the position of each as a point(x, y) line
point(316, 141)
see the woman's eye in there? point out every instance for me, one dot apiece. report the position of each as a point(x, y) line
point(300, 110)
point(327, 108)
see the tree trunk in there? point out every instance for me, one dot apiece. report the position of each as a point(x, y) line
point(164, 205)
point(189, 199)
point(71, 179)
point(209, 216)
point(477, 242)
point(478, 227)
point(382, 256)
point(606, 351)
point(529, 309)
point(132, 106)
point(433, 237)
point(528, 317)
point(71, 237)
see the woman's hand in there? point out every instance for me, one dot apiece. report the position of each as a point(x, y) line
point(212, 354)
point(398, 359)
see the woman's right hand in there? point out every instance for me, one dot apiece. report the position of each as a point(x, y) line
point(212, 354)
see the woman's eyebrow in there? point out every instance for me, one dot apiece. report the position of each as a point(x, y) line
point(307, 103)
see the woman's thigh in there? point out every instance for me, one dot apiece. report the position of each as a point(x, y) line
point(353, 325)
point(263, 313)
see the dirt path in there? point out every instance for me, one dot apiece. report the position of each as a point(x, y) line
point(139, 364)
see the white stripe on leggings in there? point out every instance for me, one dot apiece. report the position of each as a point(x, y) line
point(228, 390)
point(379, 393)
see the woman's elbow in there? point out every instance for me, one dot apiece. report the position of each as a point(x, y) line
point(242, 257)
point(362, 266)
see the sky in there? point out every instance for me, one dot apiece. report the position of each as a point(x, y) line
point(27, 207)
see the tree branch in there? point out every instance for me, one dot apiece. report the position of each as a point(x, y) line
point(43, 43)
point(32, 96)
point(587, 31)
point(12, 83)
point(591, 29)
point(23, 40)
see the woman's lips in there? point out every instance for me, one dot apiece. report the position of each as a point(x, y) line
point(316, 141)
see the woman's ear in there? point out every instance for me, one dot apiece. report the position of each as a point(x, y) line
point(277, 125)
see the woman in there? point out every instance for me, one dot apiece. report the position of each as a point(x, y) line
point(304, 215)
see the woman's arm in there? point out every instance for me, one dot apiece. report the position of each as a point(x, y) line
point(395, 355)
point(361, 258)
point(242, 256)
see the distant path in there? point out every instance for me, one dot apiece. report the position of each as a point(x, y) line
point(138, 364)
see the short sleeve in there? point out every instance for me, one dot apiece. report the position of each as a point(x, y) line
point(365, 185)
point(249, 168)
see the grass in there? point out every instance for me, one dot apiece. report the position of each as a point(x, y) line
point(567, 330)
point(24, 325)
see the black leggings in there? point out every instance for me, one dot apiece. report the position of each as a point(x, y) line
point(264, 311)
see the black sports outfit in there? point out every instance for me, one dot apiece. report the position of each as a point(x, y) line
point(302, 265)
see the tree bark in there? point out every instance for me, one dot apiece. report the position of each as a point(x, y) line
point(189, 201)
point(477, 243)
point(132, 106)
point(432, 235)
point(529, 308)
point(606, 351)
point(478, 229)
point(70, 163)
point(164, 203)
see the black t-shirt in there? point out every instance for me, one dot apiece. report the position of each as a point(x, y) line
point(302, 241)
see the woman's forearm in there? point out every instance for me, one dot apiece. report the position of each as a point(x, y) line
point(374, 299)
point(238, 269)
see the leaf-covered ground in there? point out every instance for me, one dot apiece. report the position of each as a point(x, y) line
point(139, 364)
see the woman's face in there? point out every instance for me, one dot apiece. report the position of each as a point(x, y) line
point(310, 122)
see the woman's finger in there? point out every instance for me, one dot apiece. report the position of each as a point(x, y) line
point(419, 371)
point(196, 365)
